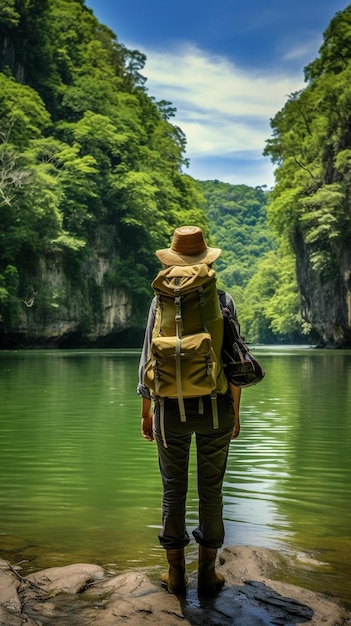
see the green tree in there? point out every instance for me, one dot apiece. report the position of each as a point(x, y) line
point(310, 204)
point(9, 16)
point(90, 164)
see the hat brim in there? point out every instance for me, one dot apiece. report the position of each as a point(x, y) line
point(168, 257)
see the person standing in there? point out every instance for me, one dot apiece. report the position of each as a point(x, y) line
point(189, 248)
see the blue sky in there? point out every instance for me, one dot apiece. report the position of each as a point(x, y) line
point(226, 66)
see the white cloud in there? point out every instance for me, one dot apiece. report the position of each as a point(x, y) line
point(221, 108)
point(304, 50)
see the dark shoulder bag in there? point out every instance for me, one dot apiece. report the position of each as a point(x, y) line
point(241, 367)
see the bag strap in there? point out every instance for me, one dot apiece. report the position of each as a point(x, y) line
point(179, 331)
point(214, 410)
point(226, 312)
point(162, 421)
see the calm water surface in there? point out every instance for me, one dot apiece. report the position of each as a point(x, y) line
point(78, 482)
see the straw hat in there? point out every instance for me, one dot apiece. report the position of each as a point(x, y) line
point(188, 248)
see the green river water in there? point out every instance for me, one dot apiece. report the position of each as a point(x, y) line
point(78, 482)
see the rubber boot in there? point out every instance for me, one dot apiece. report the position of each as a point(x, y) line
point(209, 581)
point(175, 579)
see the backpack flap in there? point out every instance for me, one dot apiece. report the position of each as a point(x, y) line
point(198, 366)
point(185, 278)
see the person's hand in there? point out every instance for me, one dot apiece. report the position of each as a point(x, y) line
point(146, 428)
point(236, 395)
point(236, 429)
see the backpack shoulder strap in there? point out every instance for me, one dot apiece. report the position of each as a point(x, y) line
point(227, 302)
point(222, 298)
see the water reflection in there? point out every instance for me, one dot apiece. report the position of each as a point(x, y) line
point(290, 470)
point(78, 482)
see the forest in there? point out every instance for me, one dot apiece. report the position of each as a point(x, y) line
point(93, 179)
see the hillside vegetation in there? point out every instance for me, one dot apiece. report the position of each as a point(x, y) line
point(89, 162)
point(252, 267)
point(310, 209)
point(93, 180)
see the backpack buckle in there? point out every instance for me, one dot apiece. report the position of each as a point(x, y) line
point(202, 299)
point(178, 313)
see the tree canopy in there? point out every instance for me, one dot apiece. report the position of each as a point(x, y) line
point(310, 207)
point(252, 267)
point(86, 155)
point(311, 146)
point(92, 166)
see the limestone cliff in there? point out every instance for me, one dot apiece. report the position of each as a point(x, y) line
point(64, 306)
point(326, 299)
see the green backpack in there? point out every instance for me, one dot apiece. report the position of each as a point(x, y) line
point(185, 359)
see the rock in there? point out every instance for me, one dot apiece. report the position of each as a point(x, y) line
point(40, 318)
point(69, 579)
point(83, 594)
point(10, 603)
point(277, 602)
point(325, 299)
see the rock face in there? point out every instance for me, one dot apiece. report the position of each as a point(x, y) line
point(63, 308)
point(326, 300)
point(82, 594)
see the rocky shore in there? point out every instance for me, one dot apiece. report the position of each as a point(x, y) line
point(84, 595)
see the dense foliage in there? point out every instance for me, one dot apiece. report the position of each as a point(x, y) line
point(252, 267)
point(311, 145)
point(88, 160)
point(92, 171)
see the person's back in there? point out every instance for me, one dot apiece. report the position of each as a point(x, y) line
point(173, 433)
